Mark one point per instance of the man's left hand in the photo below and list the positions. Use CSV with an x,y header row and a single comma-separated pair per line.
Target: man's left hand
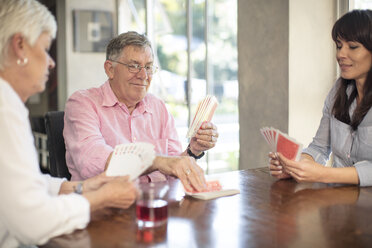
x,y
183,167
205,138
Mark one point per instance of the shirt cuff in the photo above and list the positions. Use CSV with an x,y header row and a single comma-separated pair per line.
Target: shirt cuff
x,y
364,170
156,176
54,184
317,156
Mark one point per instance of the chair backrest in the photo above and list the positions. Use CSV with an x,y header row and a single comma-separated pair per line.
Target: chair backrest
x,y
56,144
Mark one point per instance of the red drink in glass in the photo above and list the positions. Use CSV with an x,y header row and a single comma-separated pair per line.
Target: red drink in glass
x,y
151,213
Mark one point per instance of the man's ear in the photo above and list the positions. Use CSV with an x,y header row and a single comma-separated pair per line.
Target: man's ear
x,y
109,69
18,45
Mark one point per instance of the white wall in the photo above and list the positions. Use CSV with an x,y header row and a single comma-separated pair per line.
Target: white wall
x,y
84,70
312,64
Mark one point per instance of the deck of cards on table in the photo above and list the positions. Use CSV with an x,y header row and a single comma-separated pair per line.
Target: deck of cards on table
x,y
281,142
131,159
214,189
204,113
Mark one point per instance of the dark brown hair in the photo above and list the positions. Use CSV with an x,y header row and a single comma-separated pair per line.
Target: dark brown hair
x,y
356,26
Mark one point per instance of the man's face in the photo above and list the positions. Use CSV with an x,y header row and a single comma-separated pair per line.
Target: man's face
x,y
130,87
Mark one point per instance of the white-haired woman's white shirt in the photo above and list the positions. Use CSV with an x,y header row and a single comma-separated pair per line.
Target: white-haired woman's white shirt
x,y
31,211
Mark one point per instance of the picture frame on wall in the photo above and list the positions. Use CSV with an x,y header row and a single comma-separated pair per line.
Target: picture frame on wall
x,y
93,29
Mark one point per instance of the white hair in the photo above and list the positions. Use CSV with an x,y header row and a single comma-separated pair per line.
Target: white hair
x,y
28,17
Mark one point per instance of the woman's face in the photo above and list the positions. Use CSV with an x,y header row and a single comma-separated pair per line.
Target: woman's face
x,y
354,59
39,63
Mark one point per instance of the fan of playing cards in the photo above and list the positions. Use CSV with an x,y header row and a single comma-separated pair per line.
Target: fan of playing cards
x,y
281,142
204,112
131,159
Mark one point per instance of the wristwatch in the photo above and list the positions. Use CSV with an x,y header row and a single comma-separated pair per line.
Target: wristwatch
x,y
78,189
192,154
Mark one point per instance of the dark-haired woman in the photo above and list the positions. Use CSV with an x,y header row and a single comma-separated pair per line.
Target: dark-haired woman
x,y
346,126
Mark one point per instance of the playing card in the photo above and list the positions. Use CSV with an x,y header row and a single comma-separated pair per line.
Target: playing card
x,y
214,185
270,136
262,130
273,134
125,164
214,189
204,113
131,159
281,142
287,146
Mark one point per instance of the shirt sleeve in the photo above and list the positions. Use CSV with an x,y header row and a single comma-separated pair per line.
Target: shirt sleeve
x,y
54,183
364,170
28,210
85,145
320,147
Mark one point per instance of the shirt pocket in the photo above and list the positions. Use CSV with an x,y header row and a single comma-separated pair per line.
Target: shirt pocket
x,y
341,139
365,136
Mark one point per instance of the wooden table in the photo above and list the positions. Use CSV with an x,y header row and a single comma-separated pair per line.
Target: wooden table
x,y
267,213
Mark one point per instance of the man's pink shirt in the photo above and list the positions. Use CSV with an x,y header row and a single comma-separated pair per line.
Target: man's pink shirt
x,y
95,122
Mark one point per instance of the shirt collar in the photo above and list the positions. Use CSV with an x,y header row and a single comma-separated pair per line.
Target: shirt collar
x,y
12,95
143,106
110,99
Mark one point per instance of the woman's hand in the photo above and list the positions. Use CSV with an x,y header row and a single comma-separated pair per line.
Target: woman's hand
x,y
96,182
276,169
305,170
120,192
205,138
117,192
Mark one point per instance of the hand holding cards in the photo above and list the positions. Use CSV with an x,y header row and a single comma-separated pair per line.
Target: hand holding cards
x,y
281,142
204,112
131,159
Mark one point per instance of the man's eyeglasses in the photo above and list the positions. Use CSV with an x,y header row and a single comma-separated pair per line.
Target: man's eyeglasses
x,y
136,68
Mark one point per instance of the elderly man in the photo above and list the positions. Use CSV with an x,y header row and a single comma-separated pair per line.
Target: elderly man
x,y
121,111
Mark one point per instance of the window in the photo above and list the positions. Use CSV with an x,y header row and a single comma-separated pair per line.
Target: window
x,y
360,4
195,46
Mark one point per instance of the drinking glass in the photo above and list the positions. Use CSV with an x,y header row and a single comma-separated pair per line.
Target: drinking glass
x,y
151,207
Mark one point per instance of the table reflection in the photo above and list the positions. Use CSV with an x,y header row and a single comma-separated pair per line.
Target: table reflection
x,y
152,235
267,213
78,239
303,212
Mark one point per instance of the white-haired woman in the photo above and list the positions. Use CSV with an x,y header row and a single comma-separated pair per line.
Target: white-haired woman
x,y
36,207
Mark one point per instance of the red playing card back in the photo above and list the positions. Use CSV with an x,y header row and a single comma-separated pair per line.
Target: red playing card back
x,y
211,186
287,147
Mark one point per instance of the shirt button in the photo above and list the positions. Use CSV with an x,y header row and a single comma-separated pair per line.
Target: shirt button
x,y
134,139
348,156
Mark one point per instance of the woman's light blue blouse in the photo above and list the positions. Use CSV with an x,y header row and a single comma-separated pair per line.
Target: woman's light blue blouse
x,y
349,148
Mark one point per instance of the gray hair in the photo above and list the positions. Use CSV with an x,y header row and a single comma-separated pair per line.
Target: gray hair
x,y
28,17
117,44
